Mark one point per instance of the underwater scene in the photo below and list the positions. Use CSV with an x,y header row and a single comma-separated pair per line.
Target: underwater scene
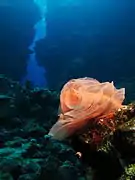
x,y
67,90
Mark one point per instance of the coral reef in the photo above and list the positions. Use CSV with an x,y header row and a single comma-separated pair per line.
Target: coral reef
x,y
17,20
28,152
110,151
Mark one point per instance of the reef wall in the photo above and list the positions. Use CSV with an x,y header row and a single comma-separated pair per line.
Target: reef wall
x,y
86,38
17,20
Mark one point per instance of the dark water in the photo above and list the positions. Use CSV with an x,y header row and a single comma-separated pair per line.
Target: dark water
x,y
75,38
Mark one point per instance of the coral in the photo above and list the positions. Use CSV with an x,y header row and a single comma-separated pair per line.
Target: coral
x,y
31,159
28,152
129,173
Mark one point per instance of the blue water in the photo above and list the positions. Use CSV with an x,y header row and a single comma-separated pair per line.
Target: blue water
x,y
97,38
36,73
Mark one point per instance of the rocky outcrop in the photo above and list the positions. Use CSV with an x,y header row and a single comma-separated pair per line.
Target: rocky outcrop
x,y
85,39
17,19
28,152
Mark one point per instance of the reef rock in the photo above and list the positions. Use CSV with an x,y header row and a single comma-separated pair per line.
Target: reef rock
x,y
83,39
17,20
28,152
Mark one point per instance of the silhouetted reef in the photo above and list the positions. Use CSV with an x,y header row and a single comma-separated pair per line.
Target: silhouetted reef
x,y
85,39
27,152
17,20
